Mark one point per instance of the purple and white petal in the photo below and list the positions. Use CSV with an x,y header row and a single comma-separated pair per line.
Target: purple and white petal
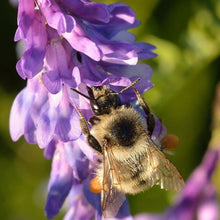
x,y
50,149
31,63
46,126
25,18
121,18
80,208
67,127
117,52
56,17
20,109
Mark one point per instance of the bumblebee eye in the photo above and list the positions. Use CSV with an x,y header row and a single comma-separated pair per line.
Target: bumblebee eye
x,y
96,107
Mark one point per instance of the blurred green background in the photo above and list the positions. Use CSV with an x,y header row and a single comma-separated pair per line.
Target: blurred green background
x,y
187,36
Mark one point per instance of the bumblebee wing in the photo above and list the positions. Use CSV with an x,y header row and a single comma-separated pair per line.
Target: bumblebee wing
x,y
160,170
111,198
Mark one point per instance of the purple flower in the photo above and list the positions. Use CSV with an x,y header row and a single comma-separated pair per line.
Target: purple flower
x,y
68,46
43,116
73,44
64,45
198,199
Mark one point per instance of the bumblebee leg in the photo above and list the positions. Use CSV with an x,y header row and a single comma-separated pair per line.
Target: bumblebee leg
x,y
94,143
94,120
85,130
150,117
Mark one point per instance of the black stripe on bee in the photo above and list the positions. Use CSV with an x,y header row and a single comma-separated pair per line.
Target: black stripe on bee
x,y
136,172
136,167
142,182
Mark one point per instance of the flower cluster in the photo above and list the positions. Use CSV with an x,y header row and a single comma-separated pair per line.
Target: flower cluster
x,y
73,44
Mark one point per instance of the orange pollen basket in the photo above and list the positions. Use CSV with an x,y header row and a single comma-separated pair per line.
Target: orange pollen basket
x,y
95,185
169,142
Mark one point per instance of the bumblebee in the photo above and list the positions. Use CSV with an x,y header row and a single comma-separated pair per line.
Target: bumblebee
x,y
131,162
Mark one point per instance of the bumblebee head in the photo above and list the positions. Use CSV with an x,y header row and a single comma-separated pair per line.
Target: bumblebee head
x,y
102,99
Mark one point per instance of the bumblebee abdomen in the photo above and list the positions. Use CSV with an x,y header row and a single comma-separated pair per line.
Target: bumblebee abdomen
x,y
133,176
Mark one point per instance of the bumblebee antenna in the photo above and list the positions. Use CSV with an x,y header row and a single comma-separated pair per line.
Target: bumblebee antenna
x,y
81,94
118,93
113,93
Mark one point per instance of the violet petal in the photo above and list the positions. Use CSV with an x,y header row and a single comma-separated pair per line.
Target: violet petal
x,y
25,18
79,40
52,81
79,206
46,126
91,11
60,183
68,127
56,17
118,52
20,109
30,129
31,62
50,149
121,18
77,160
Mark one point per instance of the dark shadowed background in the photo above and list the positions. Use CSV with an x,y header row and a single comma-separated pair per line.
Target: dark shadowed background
x,y
187,36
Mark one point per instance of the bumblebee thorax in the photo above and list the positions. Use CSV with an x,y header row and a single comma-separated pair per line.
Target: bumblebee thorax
x,y
125,126
124,131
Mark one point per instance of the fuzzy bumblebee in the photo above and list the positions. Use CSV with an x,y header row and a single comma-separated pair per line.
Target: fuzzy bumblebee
x,y
130,161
